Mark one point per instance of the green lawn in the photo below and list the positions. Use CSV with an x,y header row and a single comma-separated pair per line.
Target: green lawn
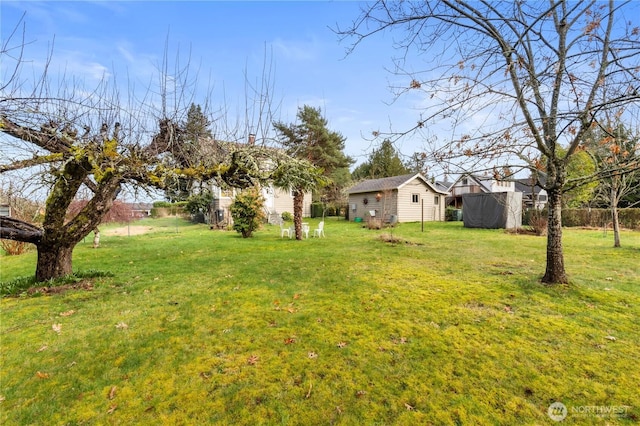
x,y
449,326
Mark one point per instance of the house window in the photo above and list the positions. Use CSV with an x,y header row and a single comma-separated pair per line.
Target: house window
x,y
436,200
415,198
465,181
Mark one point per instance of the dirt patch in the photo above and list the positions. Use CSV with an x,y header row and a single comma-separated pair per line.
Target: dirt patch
x,y
128,230
387,238
82,285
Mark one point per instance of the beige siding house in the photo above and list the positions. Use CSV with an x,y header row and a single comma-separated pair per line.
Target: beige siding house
x,y
277,201
406,198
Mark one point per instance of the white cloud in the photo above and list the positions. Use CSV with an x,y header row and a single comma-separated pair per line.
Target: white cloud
x,y
295,50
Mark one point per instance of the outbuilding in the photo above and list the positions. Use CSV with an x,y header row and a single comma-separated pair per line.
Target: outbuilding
x,y
405,198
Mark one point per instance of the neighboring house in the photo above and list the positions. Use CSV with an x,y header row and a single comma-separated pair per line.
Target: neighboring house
x,y
406,198
5,210
533,196
277,201
469,183
140,210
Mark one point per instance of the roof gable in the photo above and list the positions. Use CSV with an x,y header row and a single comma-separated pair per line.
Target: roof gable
x,y
390,183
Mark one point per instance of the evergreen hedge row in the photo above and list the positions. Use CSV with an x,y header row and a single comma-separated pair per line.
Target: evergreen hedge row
x,y
596,218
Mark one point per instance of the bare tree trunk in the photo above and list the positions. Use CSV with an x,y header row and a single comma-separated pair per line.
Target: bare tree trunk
x,y
298,202
614,215
54,261
555,273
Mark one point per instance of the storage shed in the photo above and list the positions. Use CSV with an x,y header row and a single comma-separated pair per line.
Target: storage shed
x,y
406,198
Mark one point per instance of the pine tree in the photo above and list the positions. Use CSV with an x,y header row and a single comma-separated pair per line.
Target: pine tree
x,y
186,152
311,140
382,162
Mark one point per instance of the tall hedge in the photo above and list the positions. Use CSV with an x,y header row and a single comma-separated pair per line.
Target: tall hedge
x,y
629,218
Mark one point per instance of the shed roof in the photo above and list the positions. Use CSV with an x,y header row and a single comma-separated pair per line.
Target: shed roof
x,y
388,183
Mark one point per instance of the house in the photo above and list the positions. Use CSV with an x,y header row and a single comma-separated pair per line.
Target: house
x,y
277,200
140,210
405,198
533,196
468,183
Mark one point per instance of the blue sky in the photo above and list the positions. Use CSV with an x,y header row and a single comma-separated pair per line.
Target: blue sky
x,y
226,39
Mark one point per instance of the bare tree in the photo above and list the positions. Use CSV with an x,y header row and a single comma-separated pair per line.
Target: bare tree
x,y
69,139
515,81
614,148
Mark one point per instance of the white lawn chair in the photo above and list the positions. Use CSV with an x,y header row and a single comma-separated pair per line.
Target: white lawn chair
x,y
305,230
284,230
319,231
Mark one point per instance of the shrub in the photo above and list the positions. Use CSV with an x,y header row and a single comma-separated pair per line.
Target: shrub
x,y
247,211
161,204
287,217
13,248
538,223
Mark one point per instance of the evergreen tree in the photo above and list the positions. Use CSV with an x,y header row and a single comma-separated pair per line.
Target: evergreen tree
x,y
383,162
311,140
186,152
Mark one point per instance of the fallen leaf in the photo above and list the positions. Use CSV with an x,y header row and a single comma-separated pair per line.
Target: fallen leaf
x,y
112,409
408,407
360,393
309,393
112,392
68,313
57,328
508,309
342,344
122,325
296,296
42,375
291,310
289,340
312,355
43,348
253,359
612,338
205,376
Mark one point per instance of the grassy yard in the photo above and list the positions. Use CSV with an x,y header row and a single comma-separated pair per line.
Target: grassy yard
x,y
448,326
